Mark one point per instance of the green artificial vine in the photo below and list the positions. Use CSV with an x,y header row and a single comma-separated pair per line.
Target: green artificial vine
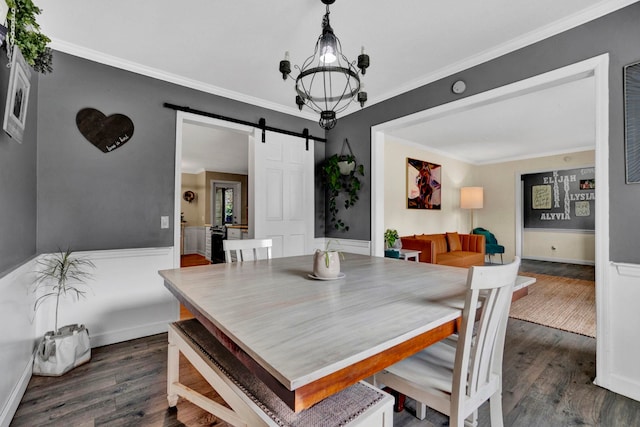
x,y
337,183
32,43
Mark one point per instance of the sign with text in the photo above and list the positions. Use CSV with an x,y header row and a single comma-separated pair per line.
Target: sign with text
x,y
560,199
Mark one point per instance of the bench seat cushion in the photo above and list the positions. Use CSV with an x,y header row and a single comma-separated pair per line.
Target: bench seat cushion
x,y
336,410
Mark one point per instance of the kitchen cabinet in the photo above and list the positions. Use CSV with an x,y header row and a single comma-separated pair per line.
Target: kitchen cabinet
x,y
195,240
234,233
207,243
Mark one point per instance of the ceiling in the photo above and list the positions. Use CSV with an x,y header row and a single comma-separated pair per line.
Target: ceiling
x,y
211,149
233,48
554,120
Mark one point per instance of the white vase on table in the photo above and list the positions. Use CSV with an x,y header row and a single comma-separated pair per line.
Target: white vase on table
x,y
326,264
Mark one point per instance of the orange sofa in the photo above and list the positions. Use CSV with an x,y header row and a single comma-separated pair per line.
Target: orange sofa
x,y
457,250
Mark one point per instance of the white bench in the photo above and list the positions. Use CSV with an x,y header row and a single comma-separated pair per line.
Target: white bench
x,y
252,402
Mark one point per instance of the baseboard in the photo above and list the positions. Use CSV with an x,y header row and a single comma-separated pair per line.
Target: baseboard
x,y
121,335
362,247
11,406
566,261
624,386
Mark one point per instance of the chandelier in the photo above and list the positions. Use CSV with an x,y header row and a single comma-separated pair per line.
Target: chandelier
x,y
328,82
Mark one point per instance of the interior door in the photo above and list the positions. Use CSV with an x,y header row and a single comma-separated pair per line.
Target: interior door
x,y
282,177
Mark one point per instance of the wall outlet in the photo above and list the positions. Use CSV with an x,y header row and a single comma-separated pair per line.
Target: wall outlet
x,y
164,222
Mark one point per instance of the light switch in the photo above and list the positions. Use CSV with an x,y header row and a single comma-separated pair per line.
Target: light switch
x,y
164,222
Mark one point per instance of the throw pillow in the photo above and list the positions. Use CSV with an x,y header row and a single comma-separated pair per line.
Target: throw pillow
x,y
454,242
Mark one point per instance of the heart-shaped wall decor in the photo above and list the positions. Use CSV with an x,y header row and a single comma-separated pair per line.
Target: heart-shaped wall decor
x,y
105,132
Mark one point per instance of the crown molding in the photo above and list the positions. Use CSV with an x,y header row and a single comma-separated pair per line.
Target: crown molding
x,y
550,30
134,67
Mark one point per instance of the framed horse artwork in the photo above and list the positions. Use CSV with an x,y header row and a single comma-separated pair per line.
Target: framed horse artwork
x,y
423,184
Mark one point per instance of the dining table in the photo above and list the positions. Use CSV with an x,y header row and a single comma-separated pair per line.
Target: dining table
x,y
307,338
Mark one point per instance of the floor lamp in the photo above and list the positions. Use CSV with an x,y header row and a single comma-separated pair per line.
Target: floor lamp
x,y
471,198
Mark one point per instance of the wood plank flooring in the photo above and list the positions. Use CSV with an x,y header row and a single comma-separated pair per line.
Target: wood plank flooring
x,y
192,260
547,381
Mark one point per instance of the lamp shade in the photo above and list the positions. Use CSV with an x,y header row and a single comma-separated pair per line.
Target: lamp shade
x,y
471,197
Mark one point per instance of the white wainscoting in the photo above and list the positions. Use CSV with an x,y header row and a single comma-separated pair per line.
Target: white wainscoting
x,y
362,247
623,318
125,300
17,338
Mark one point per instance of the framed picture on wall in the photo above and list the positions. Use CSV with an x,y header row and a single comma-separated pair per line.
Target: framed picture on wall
x,y
423,184
632,122
15,111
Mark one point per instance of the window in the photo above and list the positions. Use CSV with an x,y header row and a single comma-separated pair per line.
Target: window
x,y
226,203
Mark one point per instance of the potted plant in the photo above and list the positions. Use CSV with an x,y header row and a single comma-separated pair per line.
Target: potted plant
x,y
62,349
346,164
336,183
326,263
391,238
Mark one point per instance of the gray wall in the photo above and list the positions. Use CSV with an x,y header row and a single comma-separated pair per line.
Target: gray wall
x,y
17,182
90,200
617,33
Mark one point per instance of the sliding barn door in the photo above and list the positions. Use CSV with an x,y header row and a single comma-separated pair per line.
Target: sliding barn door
x,y
282,177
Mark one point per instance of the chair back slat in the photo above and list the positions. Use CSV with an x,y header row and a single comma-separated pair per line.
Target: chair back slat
x,y
479,357
243,249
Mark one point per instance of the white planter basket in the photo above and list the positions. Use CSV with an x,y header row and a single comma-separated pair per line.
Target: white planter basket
x,y
59,353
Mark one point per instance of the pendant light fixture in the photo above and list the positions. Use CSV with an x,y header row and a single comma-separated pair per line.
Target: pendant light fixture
x,y
328,82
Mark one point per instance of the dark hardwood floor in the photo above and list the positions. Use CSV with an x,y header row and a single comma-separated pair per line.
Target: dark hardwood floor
x,y
547,381
574,271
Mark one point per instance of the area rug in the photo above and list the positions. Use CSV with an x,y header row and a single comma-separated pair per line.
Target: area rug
x,y
560,303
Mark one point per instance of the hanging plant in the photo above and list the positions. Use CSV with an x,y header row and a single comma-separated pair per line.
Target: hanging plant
x,y
336,182
25,33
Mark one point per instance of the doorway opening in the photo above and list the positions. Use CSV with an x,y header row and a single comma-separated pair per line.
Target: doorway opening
x,y
598,68
233,135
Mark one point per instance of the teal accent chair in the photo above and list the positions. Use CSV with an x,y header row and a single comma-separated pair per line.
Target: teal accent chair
x,y
491,243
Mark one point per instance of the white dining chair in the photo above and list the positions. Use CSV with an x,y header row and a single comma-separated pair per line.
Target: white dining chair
x,y
248,249
457,379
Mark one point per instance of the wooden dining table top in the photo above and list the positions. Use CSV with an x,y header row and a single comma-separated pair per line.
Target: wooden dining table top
x,y
308,338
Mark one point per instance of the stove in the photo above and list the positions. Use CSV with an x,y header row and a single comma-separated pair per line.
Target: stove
x,y
218,234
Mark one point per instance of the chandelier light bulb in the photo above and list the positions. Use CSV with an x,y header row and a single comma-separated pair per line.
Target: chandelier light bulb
x,y
328,48
328,57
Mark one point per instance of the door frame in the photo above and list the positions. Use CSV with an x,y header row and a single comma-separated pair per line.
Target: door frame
x,y
182,118
597,67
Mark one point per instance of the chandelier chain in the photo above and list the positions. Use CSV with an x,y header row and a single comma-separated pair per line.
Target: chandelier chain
x,y
11,40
